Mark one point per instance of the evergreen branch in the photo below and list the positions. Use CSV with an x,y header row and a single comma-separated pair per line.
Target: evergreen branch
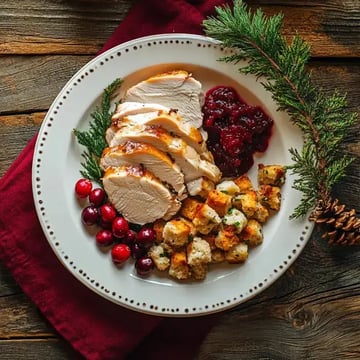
x,y
94,138
323,119
92,170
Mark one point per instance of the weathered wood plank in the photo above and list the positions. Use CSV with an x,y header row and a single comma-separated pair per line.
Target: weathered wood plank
x,y
20,318
29,84
54,349
15,132
45,75
58,26
82,27
330,27
8,286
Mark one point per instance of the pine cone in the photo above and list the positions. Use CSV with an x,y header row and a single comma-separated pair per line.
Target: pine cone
x,y
341,226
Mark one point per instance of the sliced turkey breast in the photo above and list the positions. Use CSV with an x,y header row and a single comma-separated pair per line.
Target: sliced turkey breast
x,y
132,108
173,123
184,155
154,160
175,90
137,194
173,209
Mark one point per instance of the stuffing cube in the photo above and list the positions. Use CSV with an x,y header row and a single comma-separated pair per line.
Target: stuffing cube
x,y
217,256
198,252
235,218
271,175
210,238
228,187
160,256
246,202
219,201
200,187
189,208
199,272
261,213
270,196
253,233
244,183
237,254
177,232
206,219
179,268
226,238
158,227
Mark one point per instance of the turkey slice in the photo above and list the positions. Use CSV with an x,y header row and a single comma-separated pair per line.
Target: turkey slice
x,y
175,90
154,160
137,194
133,108
167,119
184,155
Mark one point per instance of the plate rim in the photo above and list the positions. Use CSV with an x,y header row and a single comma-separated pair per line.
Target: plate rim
x,y
221,307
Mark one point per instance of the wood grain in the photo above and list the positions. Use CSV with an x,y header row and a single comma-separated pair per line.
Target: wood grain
x,y
66,27
313,310
45,75
75,27
35,349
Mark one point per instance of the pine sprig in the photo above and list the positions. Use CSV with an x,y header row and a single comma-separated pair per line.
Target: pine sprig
x,y
281,68
94,138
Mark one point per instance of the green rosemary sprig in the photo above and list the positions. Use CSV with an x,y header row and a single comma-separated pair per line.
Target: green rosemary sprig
x,y
94,138
281,68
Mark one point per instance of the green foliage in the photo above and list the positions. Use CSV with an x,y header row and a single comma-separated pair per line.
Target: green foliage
x,y
281,68
94,138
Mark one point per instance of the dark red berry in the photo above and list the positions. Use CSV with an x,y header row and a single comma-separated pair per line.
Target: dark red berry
x,y
146,236
83,188
104,224
104,238
130,237
120,253
137,251
97,197
107,213
144,265
89,215
120,227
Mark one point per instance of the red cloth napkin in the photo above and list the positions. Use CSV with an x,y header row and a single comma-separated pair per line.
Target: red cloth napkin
x,y
95,327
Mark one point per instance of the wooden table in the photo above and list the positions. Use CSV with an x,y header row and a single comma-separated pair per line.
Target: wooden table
x,y
313,310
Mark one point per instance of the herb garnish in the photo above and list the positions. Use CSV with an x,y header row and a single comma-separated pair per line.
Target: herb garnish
x,y
94,138
322,118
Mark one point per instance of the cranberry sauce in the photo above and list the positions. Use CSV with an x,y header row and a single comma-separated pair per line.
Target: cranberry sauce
x,y
235,129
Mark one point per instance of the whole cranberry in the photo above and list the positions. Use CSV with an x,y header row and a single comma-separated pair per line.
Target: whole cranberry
x,y
120,227
146,236
130,237
120,253
105,224
137,251
107,213
89,215
97,197
83,188
144,265
104,238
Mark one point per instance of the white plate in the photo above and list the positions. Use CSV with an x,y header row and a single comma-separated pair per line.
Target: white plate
x,y
56,168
